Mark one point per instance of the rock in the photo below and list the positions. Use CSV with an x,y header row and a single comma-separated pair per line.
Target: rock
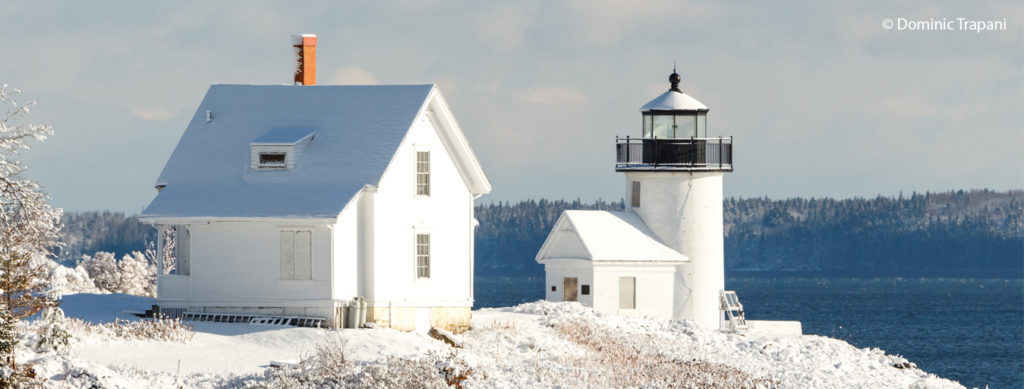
x,y
445,336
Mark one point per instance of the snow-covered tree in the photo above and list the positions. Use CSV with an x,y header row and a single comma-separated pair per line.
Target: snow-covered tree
x,y
138,275
29,227
102,269
8,335
135,274
51,331
167,255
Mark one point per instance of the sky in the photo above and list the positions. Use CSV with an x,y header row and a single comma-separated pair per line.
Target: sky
x,y
821,98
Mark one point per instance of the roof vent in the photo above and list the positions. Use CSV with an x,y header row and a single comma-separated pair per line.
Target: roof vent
x,y
279,148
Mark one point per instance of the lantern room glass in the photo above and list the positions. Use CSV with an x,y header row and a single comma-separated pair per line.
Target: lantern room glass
x,y
663,126
675,125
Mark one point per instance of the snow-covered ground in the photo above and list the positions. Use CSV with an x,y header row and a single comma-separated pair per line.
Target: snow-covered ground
x,y
534,345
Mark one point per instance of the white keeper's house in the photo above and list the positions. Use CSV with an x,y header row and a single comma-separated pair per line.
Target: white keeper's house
x,y
662,256
290,200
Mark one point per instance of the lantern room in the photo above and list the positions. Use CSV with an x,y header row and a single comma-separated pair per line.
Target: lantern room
x,y
674,137
674,114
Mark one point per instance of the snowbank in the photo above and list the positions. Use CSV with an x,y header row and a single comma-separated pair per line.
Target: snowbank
x,y
534,345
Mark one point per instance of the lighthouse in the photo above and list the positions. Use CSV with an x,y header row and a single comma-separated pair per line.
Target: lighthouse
x,y
673,178
662,255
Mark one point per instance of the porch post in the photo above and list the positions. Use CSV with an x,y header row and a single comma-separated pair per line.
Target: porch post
x,y
159,249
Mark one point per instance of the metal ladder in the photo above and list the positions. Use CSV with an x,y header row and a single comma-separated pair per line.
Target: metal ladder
x,y
296,321
734,310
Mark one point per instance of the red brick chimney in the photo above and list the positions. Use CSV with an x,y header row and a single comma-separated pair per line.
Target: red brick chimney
x,y
305,66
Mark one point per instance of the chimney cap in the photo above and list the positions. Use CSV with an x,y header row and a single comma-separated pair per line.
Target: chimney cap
x,y
304,39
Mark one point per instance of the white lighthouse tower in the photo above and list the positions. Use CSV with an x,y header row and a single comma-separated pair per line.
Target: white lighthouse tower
x,y
674,183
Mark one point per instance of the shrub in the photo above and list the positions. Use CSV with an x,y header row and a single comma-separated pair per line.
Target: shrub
x,y
52,331
327,366
135,274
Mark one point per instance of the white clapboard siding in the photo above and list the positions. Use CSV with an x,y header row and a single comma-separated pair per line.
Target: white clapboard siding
x,y
399,214
347,246
222,252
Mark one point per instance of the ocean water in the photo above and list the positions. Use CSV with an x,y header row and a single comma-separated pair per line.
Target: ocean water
x,y
968,330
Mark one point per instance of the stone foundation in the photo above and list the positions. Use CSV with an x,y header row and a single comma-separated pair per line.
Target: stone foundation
x,y
452,319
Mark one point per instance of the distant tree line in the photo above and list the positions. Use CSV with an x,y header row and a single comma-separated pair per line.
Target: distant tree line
x,y
950,234
977,233
86,233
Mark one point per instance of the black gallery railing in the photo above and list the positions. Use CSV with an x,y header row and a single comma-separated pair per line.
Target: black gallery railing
x,y
674,153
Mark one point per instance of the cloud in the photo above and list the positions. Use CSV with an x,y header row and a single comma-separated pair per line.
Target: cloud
x,y
551,94
504,28
154,113
919,107
606,22
353,75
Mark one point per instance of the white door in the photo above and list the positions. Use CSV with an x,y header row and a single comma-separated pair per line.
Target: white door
x,y
422,319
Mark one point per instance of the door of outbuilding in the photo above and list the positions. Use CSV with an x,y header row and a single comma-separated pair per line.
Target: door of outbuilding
x,y
569,288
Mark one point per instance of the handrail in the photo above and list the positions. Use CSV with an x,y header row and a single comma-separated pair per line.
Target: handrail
x,y
674,153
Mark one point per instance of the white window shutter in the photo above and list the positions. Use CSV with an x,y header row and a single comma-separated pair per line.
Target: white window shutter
x,y
303,257
287,255
627,292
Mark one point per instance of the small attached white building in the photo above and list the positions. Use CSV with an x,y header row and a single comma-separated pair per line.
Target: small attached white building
x,y
611,261
292,200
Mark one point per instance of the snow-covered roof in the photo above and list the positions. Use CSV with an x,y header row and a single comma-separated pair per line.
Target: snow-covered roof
x,y
357,129
674,101
284,136
605,236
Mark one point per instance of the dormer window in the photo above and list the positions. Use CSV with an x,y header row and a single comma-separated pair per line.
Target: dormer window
x,y
280,148
273,160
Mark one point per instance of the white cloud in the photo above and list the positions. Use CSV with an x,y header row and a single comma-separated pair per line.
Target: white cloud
x,y
152,113
552,94
353,75
504,28
920,107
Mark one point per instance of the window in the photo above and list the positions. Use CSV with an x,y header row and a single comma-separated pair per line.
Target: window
x,y
585,290
627,292
423,173
422,255
272,160
554,288
296,255
663,126
635,198
686,126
